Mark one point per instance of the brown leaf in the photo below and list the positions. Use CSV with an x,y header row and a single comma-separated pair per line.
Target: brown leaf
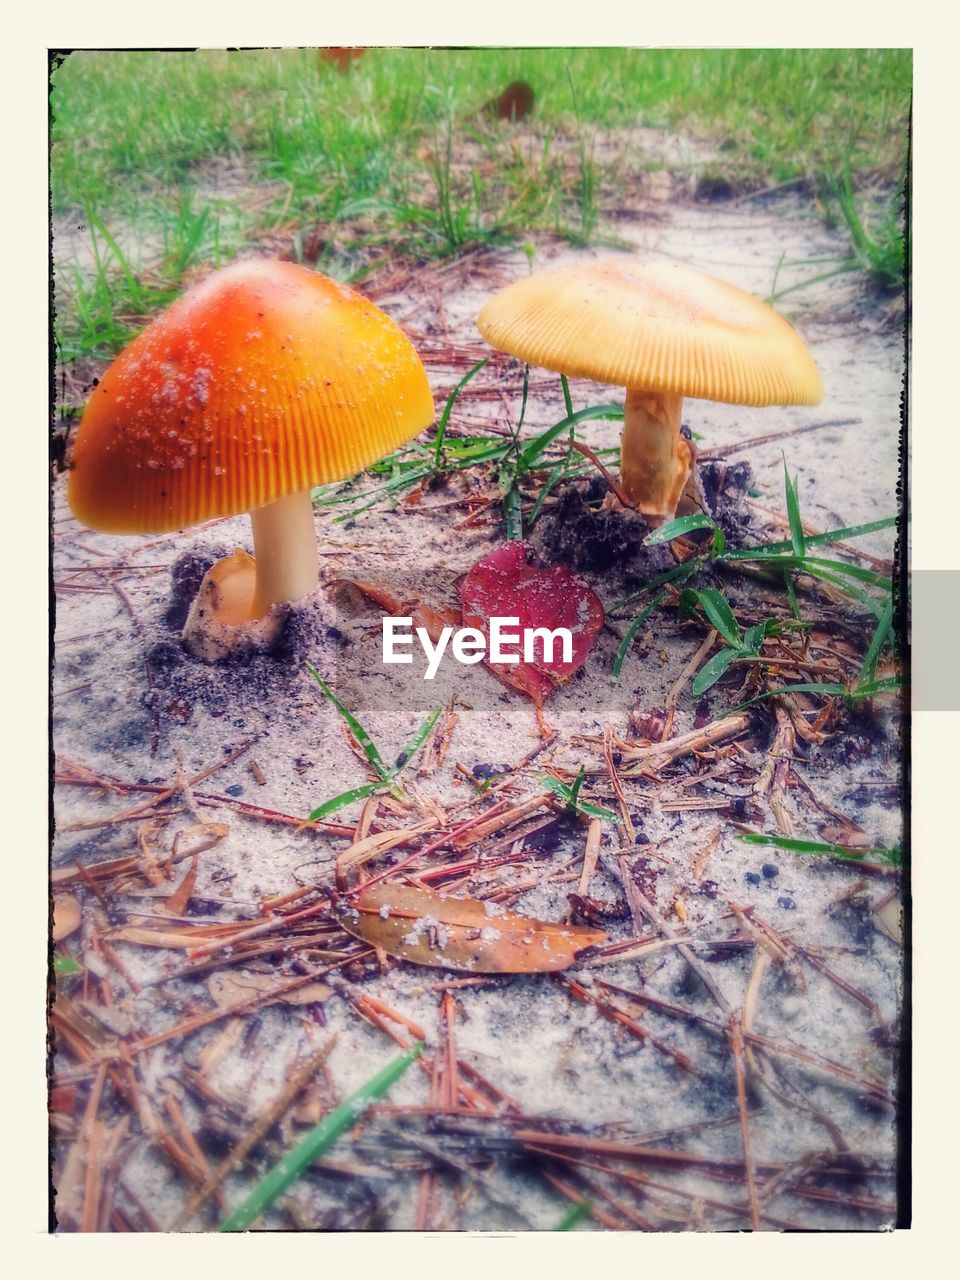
x,y
66,917
889,919
229,988
460,933
176,904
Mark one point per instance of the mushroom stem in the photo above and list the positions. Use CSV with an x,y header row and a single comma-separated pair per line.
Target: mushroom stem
x,y
655,460
285,549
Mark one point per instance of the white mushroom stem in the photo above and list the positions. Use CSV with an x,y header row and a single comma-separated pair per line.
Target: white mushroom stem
x,y
285,549
655,459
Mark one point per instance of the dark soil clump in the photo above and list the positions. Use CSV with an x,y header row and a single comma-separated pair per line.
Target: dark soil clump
x,y
186,574
578,534
725,487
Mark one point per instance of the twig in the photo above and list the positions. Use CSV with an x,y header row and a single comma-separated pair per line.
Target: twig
x,y
167,793
269,1117
710,455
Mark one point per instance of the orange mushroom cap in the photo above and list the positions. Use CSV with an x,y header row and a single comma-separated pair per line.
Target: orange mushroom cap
x,y
264,380
653,326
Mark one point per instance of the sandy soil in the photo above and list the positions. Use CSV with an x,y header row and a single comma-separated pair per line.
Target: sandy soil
x,y
822,983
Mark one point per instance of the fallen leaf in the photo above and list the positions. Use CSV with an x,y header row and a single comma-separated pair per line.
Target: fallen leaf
x,y
229,988
66,917
177,903
503,585
889,918
460,933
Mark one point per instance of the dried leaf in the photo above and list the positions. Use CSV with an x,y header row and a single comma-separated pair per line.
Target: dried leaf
x,y
460,933
229,988
66,917
503,585
176,904
424,615
889,918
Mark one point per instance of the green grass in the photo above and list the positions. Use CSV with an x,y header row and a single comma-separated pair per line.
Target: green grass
x,y
878,246
571,797
883,857
317,1142
151,117
184,158
385,774
518,462
779,560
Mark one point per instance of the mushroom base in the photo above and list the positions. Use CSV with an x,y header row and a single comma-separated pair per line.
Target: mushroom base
x,y
655,459
219,622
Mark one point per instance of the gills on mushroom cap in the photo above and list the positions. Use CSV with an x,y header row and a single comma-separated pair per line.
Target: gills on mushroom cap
x,y
661,331
263,381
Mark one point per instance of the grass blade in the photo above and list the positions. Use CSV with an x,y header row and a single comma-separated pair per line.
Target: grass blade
x,y
132,285
677,528
319,1140
548,484
815,539
807,564
793,514
362,738
678,574
523,399
711,671
835,580
575,788
869,669
850,570
415,743
512,515
720,614
571,795
535,447
344,798
574,1216
385,775
890,684
890,857
792,597
448,409
626,644
567,400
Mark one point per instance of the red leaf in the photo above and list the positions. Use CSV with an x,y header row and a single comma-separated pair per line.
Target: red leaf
x,y
503,585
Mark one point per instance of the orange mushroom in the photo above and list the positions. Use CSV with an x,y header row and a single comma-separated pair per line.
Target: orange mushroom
x,y
263,381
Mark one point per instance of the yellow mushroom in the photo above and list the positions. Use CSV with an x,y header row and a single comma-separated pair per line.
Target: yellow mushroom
x,y
663,332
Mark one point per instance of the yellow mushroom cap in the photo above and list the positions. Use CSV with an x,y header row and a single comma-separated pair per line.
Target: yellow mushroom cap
x,y
263,380
655,327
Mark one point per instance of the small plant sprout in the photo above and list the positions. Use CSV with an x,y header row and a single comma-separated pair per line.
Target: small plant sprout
x,y
264,380
662,331
739,643
385,774
570,793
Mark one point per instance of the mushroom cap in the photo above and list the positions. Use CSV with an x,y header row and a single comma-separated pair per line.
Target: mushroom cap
x,y
653,326
261,381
